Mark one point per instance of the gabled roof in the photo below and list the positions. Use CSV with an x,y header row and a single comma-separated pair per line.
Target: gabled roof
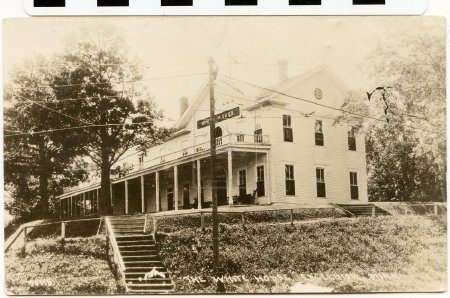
x,y
252,94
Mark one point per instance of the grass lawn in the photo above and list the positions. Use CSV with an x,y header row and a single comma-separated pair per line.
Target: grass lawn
x,y
384,254
81,269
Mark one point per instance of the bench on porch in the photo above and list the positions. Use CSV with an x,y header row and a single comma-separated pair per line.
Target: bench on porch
x,y
247,199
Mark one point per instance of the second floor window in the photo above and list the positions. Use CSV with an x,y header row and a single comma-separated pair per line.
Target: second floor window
x,y
258,136
319,133
290,182
351,139
287,129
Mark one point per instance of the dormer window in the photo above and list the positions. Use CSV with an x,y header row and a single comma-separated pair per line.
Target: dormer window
x,y
287,129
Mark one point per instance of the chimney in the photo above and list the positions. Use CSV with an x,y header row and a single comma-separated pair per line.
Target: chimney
x,y
282,70
183,105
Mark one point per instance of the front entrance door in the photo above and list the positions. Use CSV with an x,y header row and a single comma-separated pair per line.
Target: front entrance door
x,y
221,187
186,202
242,184
170,198
260,188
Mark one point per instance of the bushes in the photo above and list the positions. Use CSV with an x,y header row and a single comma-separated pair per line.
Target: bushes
x,y
73,229
361,246
47,269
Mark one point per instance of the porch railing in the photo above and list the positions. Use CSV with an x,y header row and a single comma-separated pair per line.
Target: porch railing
x,y
231,139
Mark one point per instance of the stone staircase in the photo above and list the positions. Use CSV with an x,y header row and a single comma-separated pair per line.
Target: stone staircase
x,y
144,270
362,209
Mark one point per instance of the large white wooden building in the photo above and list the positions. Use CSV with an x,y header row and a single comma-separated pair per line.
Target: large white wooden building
x,y
274,145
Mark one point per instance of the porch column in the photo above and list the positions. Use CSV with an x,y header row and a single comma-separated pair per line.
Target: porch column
x,y
157,191
142,194
126,196
84,204
175,186
230,177
98,196
199,186
71,207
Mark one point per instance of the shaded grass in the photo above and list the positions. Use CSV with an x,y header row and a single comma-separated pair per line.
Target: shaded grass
x,y
393,246
80,268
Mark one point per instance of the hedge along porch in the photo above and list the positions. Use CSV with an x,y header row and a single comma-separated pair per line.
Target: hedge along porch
x,y
241,170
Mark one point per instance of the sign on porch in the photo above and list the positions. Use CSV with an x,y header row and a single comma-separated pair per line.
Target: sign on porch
x,y
219,117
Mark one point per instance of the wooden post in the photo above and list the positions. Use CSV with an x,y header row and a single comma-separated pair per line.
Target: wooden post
x,y
155,226
126,196
230,177
373,211
175,186
435,209
142,194
202,221
199,186
243,220
405,208
158,208
292,217
63,230
24,240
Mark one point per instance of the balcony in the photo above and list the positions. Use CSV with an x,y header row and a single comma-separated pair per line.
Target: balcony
x,y
232,139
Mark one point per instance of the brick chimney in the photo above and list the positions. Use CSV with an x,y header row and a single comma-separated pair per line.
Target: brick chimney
x,y
282,70
183,105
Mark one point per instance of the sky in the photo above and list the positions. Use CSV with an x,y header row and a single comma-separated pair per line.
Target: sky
x,y
247,48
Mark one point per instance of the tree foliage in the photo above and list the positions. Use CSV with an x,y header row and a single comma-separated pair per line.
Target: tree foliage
x,y
37,166
405,124
108,96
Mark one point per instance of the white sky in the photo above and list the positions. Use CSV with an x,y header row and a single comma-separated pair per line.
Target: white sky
x,y
247,48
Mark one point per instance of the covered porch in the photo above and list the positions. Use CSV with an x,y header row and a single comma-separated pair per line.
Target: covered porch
x,y
241,177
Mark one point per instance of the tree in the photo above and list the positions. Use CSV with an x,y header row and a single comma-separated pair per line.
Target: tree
x,y
37,166
107,98
404,121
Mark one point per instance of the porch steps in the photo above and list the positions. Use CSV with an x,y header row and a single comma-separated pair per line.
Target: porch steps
x,y
362,209
140,256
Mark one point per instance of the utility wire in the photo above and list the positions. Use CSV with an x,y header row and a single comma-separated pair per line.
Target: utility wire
x,y
106,83
323,105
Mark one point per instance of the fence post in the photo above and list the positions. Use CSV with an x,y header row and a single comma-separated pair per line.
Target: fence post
x,y
373,211
405,208
292,217
107,242
24,240
333,210
435,209
202,221
63,234
243,220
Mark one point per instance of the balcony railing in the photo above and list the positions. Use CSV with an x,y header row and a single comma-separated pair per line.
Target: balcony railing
x,y
232,139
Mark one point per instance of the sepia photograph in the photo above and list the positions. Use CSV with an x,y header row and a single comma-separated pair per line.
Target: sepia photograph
x,y
232,155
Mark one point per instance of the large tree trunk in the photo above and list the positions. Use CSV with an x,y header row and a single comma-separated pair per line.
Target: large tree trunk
x,y
105,207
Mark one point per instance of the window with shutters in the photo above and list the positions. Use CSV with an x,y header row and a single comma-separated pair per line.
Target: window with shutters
x,y
290,182
351,139
287,129
260,181
354,192
319,133
320,182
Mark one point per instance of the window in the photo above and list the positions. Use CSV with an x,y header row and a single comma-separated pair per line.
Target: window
x,y
351,139
354,193
319,133
320,178
258,136
287,129
260,181
290,182
240,138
